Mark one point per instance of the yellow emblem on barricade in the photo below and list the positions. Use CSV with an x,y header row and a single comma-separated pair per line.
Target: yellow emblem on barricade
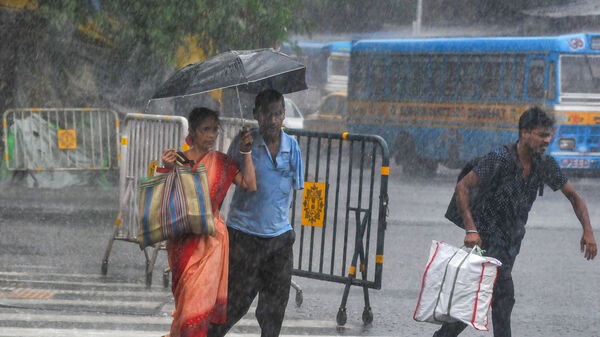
x,y
313,204
67,139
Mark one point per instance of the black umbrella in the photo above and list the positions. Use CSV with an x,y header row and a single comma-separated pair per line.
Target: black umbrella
x,y
245,70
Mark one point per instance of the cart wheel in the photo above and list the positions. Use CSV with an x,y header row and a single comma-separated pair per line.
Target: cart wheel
x,y
367,316
341,316
104,267
148,279
166,280
299,298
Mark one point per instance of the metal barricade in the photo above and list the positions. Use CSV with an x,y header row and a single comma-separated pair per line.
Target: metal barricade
x,y
142,142
342,211
69,139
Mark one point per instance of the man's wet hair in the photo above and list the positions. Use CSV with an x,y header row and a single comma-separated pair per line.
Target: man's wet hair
x,y
535,117
266,97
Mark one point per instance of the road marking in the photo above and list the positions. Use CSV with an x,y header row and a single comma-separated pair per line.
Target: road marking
x,y
36,304
34,332
121,319
25,293
136,319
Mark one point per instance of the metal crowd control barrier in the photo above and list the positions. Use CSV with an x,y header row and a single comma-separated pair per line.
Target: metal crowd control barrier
x,y
142,142
69,139
342,211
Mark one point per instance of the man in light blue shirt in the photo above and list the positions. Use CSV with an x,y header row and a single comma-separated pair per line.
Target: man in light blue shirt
x,y
260,233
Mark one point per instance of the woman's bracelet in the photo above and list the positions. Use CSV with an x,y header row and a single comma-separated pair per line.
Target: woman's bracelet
x,y
244,152
472,231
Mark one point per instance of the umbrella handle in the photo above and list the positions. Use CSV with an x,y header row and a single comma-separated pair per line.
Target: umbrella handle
x,y
237,92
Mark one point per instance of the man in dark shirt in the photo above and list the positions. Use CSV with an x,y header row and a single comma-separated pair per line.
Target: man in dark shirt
x,y
513,175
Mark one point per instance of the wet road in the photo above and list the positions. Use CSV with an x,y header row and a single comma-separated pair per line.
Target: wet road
x,y
59,237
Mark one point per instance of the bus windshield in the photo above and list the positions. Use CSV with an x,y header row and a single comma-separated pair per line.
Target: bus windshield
x,y
580,74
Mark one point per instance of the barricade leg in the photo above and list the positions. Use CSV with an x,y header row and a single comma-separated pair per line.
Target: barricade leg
x,y
367,315
150,261
104,267
166,273
299,296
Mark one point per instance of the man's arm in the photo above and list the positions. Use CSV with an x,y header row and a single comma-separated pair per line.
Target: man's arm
x,y
462,190
588,242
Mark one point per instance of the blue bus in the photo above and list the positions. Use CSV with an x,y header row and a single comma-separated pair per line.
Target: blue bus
x,y
446,100
327,66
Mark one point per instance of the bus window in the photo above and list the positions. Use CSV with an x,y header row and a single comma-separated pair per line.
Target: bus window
x,y
508,77
436,87
580,74
519,77
338,65
418,73
359,73
470,73
378,78
400,75
535,81
491,78
452,72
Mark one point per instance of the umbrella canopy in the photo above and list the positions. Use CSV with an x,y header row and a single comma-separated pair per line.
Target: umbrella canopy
x,y
246,70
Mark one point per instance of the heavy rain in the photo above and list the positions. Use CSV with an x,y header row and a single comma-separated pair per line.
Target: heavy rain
x,y
387,101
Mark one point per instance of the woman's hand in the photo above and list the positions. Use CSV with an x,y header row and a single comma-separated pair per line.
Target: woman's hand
x,y
168,158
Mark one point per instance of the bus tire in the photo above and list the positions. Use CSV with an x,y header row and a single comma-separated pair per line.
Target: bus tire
x,y
405,154
404,149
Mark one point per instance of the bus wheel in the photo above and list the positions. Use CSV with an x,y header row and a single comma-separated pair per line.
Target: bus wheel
x,y
420,167
404,150
405,155
412,165
428,167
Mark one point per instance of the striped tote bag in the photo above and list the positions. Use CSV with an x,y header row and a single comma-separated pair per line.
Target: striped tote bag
x,y
174,204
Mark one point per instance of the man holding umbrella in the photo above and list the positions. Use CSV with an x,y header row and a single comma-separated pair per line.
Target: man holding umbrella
x,y
260,233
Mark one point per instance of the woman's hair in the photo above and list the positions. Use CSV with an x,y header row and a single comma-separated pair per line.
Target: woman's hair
x,y
197,115
535,117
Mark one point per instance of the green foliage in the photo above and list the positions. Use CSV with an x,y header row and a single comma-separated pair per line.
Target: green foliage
x,y
161,25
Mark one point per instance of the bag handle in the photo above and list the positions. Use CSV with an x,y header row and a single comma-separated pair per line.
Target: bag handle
x,y
172,182
181,159
475,250
437,302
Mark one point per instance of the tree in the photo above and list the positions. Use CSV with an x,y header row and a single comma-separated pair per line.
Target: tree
x,y
163,25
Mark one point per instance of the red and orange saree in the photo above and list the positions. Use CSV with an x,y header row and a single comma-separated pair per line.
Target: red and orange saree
x,y
199,264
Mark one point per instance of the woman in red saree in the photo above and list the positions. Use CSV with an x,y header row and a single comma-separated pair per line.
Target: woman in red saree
x,y
199,264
